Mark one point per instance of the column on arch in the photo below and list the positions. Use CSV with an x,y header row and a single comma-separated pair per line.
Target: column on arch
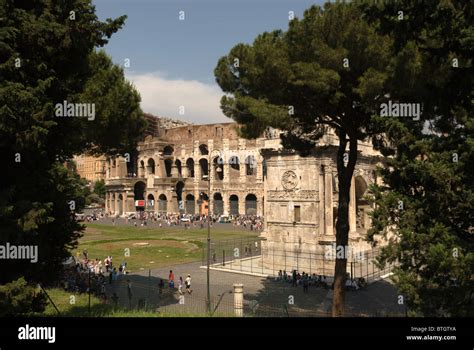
x,y
328,204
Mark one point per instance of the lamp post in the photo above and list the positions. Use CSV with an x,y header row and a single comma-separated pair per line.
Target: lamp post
x,y
209,232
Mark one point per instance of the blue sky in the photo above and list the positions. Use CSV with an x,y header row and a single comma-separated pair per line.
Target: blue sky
x,y
172,61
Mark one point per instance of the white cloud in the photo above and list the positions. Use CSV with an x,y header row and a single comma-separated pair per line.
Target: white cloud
x,y
163,97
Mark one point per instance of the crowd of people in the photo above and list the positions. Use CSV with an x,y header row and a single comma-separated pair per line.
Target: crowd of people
x,y
306,280
95,273
252,222
187,221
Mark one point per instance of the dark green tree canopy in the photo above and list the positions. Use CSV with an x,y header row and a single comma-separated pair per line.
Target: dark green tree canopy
x,y
331,68
47,56
427,198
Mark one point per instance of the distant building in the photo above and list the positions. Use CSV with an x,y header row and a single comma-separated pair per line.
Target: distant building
x,y
90,167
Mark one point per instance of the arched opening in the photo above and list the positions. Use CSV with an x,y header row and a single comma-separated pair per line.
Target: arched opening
x,y
150,166
218,168
162,203
139,195
179,195
190,204
168,151
141,169
234,205
234,169
204,168
150,202
177,163
251,204
190,167
120,204
168,167
250,165
218,204
204,150
362,205
132,164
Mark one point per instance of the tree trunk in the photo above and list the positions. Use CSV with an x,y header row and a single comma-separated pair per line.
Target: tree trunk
x,y
344,174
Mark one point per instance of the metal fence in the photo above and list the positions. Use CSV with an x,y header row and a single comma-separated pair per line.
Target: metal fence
x,y
249,255
229,253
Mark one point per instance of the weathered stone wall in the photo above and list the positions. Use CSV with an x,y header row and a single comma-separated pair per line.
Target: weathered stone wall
x,y
180,158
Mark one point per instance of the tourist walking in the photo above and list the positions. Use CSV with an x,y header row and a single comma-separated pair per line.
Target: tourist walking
x,y
180,285
171,279
187,282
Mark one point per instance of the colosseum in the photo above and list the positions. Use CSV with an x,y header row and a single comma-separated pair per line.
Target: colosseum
x,y
178,167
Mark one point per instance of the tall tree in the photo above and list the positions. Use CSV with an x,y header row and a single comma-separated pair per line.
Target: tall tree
x,y
427,199
329,70
47,56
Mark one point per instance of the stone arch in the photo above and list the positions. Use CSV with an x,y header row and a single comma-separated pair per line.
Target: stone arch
x,y
203,149
190,204
141,168
150,166
218,167
179,169
251,204
250,165
190,167
150,201
234,204
168,150
203,163
168,167
234,166
162,203
218,203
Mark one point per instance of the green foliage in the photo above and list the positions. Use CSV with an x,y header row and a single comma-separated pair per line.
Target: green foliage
x,y
19,298
430,172
328,70
99,188
57,62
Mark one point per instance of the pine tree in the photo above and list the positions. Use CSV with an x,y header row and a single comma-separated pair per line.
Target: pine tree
x,y
328,70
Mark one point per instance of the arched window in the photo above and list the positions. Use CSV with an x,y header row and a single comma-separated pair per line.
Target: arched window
x,y
190,167
168,151
204,168
251,204
178,167
218,204
218,168
168,167
234,204
190,204
162,203
204,150
250,165
151,166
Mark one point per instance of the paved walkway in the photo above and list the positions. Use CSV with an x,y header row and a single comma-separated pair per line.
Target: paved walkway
x,y
260,293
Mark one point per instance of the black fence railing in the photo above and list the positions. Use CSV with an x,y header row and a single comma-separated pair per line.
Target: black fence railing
x,y
249,255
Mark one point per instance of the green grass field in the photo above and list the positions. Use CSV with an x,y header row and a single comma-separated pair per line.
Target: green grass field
x,y
150,247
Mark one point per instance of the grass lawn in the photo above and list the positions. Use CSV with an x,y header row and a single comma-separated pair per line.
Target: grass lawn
x,y
150,247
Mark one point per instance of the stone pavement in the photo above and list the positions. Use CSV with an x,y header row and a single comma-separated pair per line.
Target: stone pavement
x,y
260,293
